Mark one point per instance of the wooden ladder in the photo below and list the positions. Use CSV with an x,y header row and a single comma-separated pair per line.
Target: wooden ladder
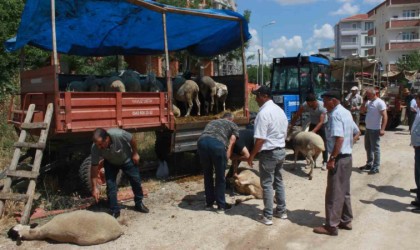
x,y
6,193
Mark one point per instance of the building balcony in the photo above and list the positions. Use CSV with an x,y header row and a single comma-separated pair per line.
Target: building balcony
x,y
398,45
403,22
371,52
372,32
349,45
350,31
399,3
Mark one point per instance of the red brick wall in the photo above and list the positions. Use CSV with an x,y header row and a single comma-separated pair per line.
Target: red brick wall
x,y
403,46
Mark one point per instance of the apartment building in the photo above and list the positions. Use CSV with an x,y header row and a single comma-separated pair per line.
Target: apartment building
x,y
396,28
351,36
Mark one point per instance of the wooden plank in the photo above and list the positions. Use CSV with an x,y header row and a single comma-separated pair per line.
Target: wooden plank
x,y
34,125
37,165
37,145
13,197
16,156
23,174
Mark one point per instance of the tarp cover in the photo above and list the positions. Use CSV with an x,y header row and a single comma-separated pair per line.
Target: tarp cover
x,y
112,27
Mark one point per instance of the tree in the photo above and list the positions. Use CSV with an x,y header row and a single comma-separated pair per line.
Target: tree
x,y
10,12
410,62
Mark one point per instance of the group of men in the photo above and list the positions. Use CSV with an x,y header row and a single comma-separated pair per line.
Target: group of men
x,y
270,132
222,139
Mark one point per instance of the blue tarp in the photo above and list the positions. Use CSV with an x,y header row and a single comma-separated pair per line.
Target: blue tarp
x,y
112,27
320,60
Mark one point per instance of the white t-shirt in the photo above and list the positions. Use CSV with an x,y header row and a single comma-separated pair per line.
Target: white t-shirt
x,y
373,118
271,125
413,105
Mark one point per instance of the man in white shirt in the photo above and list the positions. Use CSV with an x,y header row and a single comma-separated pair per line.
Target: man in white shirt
x,y
415,142
270,134
375,120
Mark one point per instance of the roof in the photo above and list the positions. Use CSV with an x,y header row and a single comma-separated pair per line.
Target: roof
x,y
358,17
128,27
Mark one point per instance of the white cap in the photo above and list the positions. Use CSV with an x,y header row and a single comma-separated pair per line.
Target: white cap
x,y
354,88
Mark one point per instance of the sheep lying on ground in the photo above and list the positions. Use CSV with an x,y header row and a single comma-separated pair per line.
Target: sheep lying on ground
x,y
310,145
247,182
208,91
186,94
79,227
221,95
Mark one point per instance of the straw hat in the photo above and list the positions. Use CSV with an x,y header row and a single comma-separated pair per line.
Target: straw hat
x,y
354,88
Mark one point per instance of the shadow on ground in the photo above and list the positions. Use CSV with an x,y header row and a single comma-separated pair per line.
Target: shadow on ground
x,y
389,205
391,190
305,217
297,169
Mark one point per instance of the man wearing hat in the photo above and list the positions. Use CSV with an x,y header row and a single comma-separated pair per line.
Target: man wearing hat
x,y
341,133
270,134
354,102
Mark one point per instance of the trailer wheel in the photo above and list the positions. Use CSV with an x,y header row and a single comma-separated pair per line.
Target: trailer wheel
x,y
85,178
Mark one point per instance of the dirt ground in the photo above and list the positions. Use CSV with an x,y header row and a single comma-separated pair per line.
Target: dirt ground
x,y
382,216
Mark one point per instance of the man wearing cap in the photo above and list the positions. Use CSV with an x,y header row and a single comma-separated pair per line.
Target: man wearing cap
x,y
318,118
270,134
354,102
375,120
341,133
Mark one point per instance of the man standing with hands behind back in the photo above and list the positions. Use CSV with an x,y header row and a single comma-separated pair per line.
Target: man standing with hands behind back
x,y
341,133
270,134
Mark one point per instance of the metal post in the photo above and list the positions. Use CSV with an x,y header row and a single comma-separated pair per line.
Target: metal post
x,y
343,78
54,38
167,71
262,50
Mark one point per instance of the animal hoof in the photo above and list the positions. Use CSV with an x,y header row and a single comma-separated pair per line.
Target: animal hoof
x,y
310,177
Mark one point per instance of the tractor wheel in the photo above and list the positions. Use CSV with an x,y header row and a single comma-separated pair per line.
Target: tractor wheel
x,y
85,178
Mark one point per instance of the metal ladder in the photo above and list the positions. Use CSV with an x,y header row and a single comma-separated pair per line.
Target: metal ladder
x,y
6,193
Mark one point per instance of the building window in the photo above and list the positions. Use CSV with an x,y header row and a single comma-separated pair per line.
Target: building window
x,y
354,40
404,58
409,35
368,25
354,26
409,13
368,40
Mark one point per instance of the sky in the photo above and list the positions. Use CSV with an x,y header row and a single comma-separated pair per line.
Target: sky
x,y
301,26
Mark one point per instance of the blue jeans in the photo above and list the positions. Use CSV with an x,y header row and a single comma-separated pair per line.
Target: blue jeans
x,y
271,164
373,149
213,159
417,170
132,172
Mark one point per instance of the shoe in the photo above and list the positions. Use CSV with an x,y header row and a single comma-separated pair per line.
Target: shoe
x,y
326,230
281,215
209,207
224,209
416,210
366,168
345,226
415,203
324,166
142,208
413,190
116,214
264,220
373,171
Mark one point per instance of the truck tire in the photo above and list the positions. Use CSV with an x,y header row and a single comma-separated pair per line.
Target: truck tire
x,y
85,179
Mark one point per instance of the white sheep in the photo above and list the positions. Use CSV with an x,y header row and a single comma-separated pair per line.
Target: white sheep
x,y
221,95
176,111
80,227
187,93
208,91
310,145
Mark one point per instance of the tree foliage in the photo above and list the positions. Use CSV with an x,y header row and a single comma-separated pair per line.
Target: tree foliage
x,y
254,73
411,62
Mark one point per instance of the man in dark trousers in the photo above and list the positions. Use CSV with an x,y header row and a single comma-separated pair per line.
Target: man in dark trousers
x,y
341,133
214,148
118,148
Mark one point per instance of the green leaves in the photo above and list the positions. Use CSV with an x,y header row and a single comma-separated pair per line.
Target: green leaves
x,y
409,62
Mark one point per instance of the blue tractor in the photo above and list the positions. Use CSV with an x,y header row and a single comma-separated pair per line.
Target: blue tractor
x,y
293,78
